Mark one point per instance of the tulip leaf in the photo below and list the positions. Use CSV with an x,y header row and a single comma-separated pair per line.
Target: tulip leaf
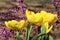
x,y
39,38
50,37
42,38
46,37
18,36
36,36
43,29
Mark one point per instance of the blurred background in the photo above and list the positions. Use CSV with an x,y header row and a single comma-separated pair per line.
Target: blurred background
x,y
12,9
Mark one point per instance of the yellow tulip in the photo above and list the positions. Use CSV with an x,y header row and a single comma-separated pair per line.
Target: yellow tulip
x,y
48,17
15,25
22,24
33,18
40,18
48,29
11,24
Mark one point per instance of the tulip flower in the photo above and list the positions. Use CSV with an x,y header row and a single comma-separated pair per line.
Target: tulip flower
x,y
40,18
33,18
48,17
15,25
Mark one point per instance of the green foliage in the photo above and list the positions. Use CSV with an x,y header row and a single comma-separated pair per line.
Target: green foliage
x,y
28,31
50,37
43,30
41,36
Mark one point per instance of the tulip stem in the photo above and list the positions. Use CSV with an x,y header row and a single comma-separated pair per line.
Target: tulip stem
x,y
29,32
26,34
17,36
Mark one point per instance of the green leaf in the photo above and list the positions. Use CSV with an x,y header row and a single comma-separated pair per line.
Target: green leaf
x,y
42,38
46,37
36,36
39,38
43,30
18,36
50,37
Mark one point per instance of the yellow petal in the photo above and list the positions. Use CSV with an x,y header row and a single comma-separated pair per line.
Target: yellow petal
x,y
47,28
6,23
11,24
30,16
43,13
38,20
22,24
48,17
55,18
34,18
47,31
29,13
38,17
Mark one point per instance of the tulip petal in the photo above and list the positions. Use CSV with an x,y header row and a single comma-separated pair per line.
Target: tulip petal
x,y
49,29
